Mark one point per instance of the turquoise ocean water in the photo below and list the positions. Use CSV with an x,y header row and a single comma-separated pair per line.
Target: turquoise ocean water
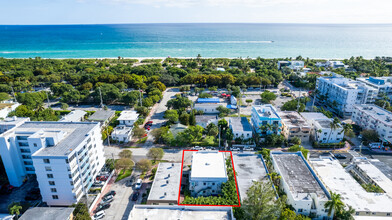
x,y
188,40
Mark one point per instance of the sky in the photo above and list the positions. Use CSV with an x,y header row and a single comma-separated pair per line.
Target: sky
x,y
194,11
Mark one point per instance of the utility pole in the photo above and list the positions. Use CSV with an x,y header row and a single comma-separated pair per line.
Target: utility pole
x,y
100,94
13,93
299,98
219,136
140,97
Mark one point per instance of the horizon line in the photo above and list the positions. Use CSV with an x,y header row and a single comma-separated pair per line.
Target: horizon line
x,y
140,23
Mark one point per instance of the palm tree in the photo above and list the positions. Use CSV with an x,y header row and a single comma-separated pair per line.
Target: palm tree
x,y
265,128
15,210
348,130
335,203
334,125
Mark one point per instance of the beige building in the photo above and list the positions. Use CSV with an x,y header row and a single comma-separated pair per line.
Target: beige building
x,y
293,125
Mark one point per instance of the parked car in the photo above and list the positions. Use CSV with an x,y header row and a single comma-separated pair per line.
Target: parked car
x,y
135,196
138,184
102,207
107,199
130,181
149,122
101,178
99,215
111,193
235,149
340,156
197,148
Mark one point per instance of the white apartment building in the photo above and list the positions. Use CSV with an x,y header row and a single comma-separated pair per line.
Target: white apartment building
x,y
208,172
294,64
241,127
128,118
334,64
263,115
373,117
345,93
11,122
6,107
341,180
382,84
205,120
294,126
305,192
64,156
208,108
321,128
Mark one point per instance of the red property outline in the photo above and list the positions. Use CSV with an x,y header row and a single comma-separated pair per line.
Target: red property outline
x,y
235,178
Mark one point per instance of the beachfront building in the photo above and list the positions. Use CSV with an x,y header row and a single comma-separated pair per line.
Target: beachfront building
x,y
382,84
265,120
208,172
11,122
294,126
305,192
174,212
341,93
241,127
74,116
334,64
294,64
347,181
321,128
64,156
102,116
204,120
373,117
6,107
164,189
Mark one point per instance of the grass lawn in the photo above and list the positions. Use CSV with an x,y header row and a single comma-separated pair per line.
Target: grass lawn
x,y
142,141
123,175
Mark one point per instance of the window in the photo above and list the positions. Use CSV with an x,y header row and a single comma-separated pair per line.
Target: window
x,y
204,184
71,182
357,213
50,176
46,160
52,183
70,176
213,184
388,214
213,191
66,161
35,145
55,196
53,190
300,210
48,168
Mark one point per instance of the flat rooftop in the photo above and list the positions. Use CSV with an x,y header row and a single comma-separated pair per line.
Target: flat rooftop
x,y
248,168
121,130
205,118
292,119
296,174
266,111
338,180
376,113
313,115
101,115
240,124
325,123
13,120
166,182
128,115
174,212
208,164
75,133
47,213
74,116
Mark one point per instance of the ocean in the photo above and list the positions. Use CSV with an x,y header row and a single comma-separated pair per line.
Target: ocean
x,y
189,40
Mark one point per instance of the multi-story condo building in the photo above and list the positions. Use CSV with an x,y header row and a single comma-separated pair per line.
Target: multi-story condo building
x,y
375,118
11,122
305,192
294,126
342,93
64,156
382,84
321,128
265,120
127,118
241,127
208,172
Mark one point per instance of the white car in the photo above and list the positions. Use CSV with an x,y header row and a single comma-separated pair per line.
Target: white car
x,y
107,199
138,184
99,215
